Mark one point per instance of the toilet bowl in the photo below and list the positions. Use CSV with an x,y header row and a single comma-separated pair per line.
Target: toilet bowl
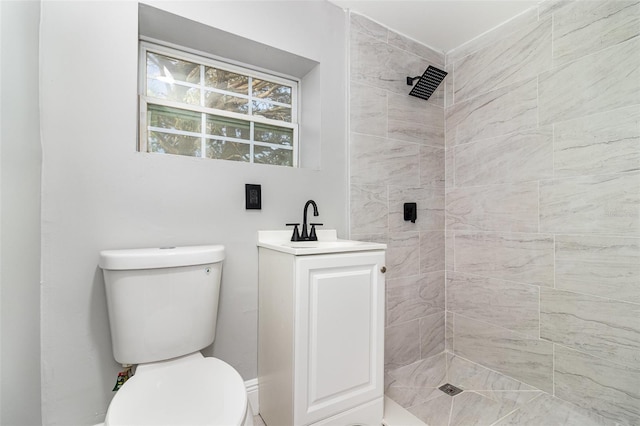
x,y
163,306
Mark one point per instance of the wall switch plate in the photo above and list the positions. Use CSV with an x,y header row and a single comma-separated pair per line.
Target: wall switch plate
x,y
253,196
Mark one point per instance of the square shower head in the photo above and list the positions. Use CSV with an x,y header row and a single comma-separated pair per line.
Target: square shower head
x,y
428,83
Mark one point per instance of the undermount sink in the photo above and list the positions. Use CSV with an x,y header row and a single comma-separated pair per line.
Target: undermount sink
x,y
328,242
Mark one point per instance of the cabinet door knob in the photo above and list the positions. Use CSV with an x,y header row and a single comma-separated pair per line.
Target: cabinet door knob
x,y
383,269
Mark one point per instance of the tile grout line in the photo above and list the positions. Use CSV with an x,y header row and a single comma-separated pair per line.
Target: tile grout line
x,y
517,409
615,363
553,369
471,274
605,174
554,261
539,314
538,203
570,234
453,339
453,399
524,336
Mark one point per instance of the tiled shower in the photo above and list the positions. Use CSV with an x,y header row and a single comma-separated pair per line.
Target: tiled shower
x,y
525,165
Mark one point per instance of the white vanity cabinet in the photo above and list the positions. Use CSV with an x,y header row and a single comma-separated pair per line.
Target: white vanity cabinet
x,y
321,336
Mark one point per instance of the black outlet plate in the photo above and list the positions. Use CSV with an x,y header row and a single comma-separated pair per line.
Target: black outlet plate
x,y
253,196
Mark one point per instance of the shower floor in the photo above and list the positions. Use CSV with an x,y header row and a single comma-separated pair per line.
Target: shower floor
x,y
488,397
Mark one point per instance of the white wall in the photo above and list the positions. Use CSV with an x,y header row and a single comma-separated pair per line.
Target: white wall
x,y
99,193
20,154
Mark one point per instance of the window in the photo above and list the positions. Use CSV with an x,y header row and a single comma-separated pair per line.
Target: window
x,y
196,106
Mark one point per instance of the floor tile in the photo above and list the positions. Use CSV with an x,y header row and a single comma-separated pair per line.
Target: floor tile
x,y
550,411
488,397
428,372
475,409
434,412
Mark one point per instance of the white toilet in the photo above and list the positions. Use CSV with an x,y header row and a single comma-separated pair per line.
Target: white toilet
x,y
163,305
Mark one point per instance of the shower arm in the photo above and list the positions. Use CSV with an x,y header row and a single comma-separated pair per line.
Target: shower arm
x,y
410,80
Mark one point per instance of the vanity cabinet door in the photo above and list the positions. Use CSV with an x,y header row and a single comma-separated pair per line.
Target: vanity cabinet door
x,y
339,333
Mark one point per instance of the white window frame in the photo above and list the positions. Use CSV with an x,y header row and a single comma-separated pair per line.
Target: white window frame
x,y
205,60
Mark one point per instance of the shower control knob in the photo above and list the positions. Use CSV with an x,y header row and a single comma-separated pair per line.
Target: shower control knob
x,y
383,269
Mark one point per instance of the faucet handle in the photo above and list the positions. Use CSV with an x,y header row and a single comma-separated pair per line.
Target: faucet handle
x,y
296,232
312,233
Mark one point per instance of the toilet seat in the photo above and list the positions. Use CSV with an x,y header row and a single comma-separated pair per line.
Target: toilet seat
x,y
190,390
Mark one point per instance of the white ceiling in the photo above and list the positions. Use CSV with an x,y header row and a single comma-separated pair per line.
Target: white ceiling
x,y
440,24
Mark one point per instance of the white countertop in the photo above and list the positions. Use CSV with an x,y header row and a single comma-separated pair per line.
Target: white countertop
x,y
328,242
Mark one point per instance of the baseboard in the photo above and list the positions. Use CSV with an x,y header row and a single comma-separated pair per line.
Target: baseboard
x,y
394,414
252,394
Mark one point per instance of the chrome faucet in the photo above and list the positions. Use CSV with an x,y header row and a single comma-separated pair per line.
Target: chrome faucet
x,y
307,235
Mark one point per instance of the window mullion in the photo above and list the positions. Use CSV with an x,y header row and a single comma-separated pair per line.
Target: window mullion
x,y
203,142
273,145
203,129
218,112
251,140
175,132
296,146
250,91
251,123
202,86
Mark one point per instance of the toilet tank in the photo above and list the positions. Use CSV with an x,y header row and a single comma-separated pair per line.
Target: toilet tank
x,y
162,302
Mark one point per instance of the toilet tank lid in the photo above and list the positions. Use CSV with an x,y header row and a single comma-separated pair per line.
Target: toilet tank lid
x,y
162,257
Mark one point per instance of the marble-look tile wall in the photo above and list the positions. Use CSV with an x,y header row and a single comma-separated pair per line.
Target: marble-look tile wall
x,y
396,147
542,203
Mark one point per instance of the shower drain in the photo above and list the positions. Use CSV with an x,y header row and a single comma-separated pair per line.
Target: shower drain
x,y
450,389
